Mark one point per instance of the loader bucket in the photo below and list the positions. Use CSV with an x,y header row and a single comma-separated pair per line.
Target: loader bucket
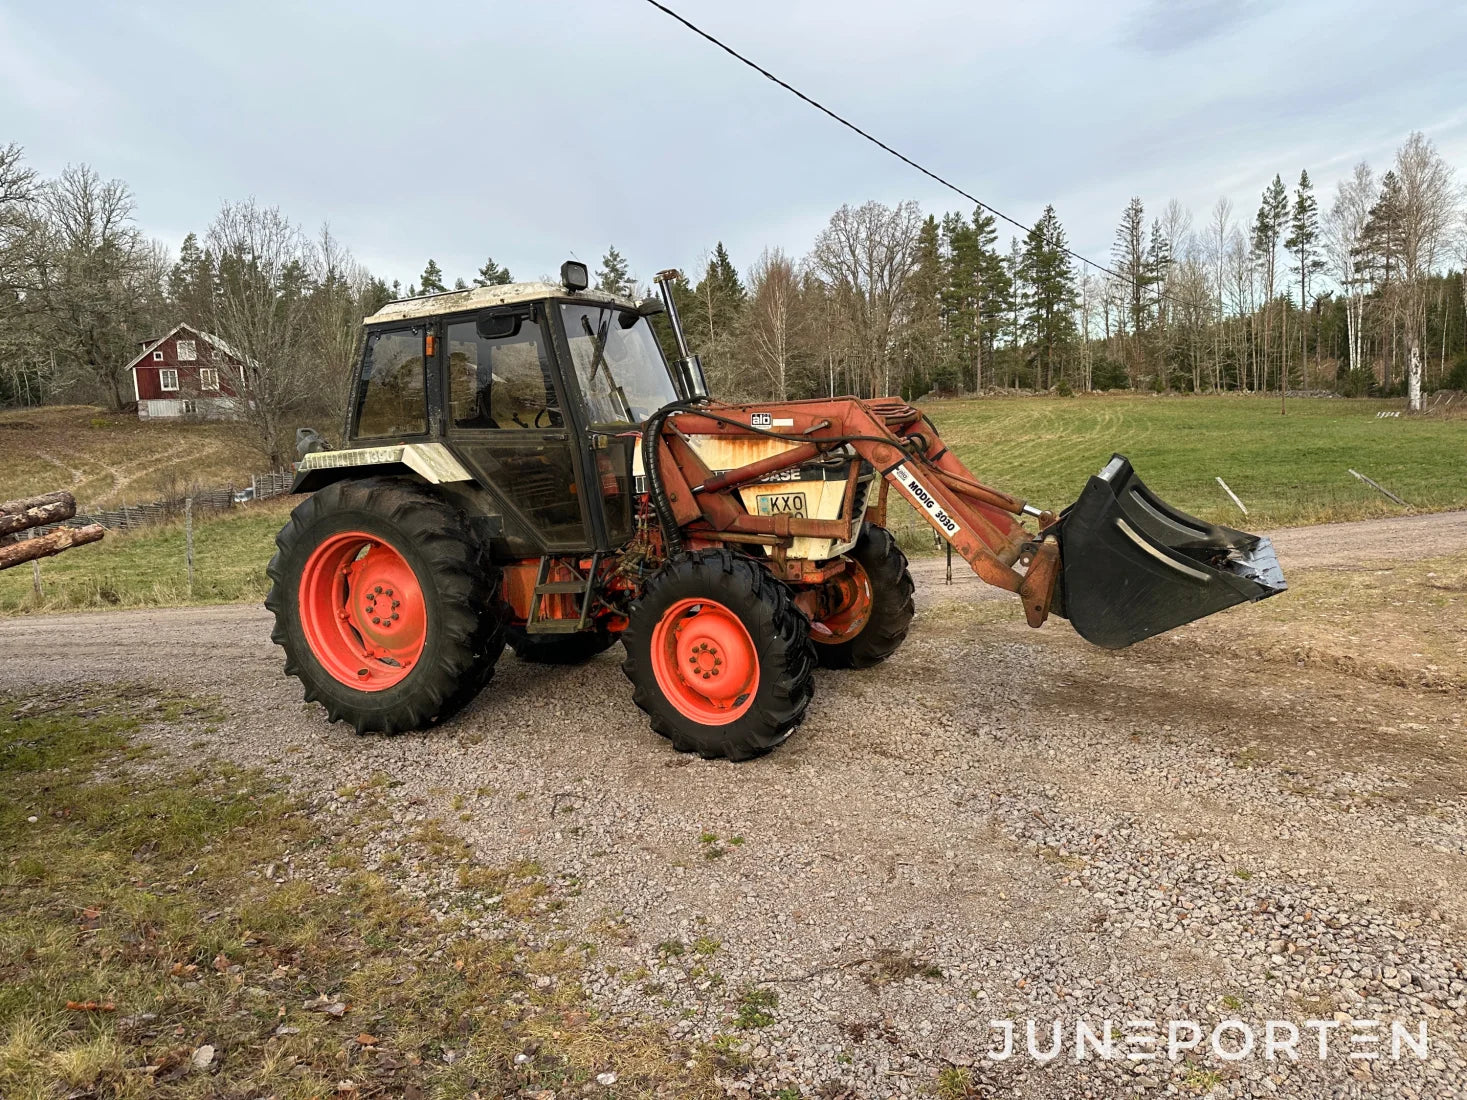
x,y
1133,566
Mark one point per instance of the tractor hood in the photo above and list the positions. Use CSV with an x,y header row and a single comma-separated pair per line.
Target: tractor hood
x,y
1133,566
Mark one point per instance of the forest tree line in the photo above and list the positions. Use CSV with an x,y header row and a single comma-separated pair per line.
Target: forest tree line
x,y
1319,295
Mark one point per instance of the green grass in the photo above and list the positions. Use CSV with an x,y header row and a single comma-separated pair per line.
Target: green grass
x,y
170,930
147,568
1288,470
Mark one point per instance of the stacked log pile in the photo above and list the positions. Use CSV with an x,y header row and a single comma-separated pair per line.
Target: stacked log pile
x,y
49,508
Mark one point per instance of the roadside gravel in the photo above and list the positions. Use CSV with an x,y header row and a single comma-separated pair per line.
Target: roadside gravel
x,y
996,824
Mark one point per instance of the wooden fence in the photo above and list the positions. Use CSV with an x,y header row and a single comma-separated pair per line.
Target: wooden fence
x,y
131,517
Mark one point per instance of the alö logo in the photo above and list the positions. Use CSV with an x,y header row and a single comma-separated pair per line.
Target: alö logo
x,y
945,523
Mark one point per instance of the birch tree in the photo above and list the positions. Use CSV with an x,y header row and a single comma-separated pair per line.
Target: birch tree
x,y
774,320
1345,249
1428,210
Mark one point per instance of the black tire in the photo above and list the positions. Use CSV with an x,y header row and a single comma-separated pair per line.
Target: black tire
x,y
891,605
781,645
558,649
464,632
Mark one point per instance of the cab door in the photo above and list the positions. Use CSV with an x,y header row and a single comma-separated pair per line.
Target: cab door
x,y
508,420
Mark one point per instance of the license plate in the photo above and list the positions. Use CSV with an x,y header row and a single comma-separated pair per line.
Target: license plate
x,y
782,504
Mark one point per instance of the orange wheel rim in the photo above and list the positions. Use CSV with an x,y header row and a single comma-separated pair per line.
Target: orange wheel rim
x,y
362,611
705,662
848,594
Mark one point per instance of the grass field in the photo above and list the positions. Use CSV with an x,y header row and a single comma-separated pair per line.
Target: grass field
x,y
1288,470
148,568
107,459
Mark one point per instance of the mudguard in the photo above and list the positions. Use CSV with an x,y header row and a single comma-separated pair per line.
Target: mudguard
x,y
1132,566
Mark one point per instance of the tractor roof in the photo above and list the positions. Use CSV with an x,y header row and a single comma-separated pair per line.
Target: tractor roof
x,y
481,297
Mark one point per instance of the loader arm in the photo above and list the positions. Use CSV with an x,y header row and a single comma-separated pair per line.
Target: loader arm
x,y
1119,563
981,523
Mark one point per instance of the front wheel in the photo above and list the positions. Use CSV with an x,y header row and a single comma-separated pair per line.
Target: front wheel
x,y
719,656
869,605
385,604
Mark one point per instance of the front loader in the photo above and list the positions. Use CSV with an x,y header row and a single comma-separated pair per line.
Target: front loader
x,y
522,466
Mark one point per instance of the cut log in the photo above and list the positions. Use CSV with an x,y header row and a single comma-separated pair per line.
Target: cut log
x,y
17,515
43,546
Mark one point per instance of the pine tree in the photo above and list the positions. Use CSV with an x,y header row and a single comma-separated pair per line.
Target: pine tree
x,y
1268,229
191,283
613,277
432,278
1158,264
1128,257
1050,296
921,334
1303,242
720,298
492,274
974,295
1384,242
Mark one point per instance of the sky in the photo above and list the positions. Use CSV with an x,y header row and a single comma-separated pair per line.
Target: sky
x,y
536,130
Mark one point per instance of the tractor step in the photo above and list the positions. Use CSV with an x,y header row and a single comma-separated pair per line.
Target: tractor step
x,y
553,626
553,587
582,586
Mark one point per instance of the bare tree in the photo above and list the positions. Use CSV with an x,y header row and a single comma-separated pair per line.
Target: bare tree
x,y
94,280
867,255
1220,231
773,319
262,312
1345,245
334,318
1428,211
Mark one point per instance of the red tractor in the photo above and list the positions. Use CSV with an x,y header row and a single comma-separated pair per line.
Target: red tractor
x,y
524,466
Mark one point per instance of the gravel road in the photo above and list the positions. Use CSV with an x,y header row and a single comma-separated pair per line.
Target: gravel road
x,y
997,824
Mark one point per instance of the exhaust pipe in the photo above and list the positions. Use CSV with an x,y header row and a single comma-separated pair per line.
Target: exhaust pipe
x,y
1132,566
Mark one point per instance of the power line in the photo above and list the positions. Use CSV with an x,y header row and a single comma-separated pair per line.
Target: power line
x,y
849,125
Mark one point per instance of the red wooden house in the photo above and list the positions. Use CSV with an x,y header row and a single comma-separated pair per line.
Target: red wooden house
x,y
187,373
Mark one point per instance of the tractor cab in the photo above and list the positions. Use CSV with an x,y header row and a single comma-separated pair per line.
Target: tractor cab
x,y
533,393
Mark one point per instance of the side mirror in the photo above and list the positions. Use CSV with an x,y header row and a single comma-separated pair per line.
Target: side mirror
x,y
651,307
497,326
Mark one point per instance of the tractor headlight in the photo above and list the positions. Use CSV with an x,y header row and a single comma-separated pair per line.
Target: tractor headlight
x,y
574,276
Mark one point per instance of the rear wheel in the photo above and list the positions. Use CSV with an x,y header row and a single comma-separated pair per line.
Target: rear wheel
x,y
385,605
558,649
869,605
719,656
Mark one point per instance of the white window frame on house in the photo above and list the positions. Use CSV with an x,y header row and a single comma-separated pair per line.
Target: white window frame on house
x,y
189,407
163,376
157,357
185,351
208,378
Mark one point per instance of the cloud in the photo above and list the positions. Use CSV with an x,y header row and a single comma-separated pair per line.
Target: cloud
x,y
1169,26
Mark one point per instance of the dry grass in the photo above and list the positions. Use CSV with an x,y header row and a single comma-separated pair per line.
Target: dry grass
x,y
107,459
196,910
1394,622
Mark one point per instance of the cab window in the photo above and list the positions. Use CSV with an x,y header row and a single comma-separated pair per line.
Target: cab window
x,y
392,401
499,373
